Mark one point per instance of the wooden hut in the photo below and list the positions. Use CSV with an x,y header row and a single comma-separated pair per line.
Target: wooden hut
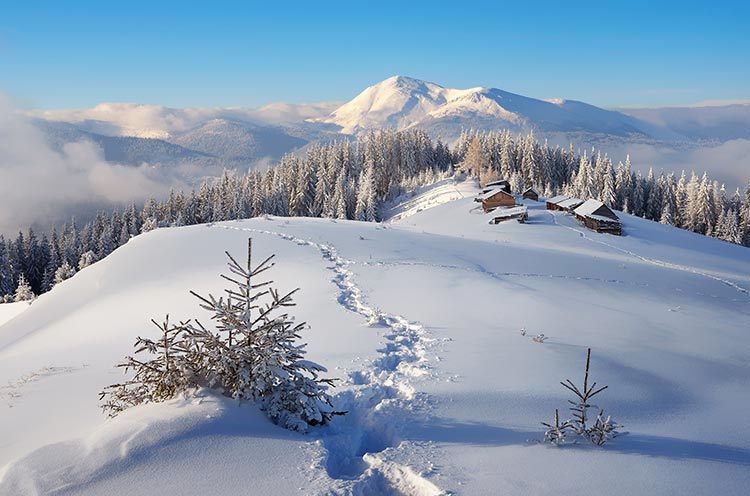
x,y
502,184
599,217
553,203
496,198
530,194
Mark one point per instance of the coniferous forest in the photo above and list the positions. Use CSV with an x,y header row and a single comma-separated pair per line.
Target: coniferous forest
x,y
350,180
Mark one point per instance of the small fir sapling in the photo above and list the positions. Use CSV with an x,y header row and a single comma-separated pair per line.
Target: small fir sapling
x,y
253,353
581,405
604,428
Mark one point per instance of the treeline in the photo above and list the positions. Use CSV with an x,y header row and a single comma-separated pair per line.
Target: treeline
x,y
344,180
690,202
349,180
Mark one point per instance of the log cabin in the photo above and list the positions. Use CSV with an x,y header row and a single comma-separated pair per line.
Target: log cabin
x,y
530,194
597,216
496,198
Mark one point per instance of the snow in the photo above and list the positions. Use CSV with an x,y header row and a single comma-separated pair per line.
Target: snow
x,y
557,199
508,212
443,397
10,310
570,203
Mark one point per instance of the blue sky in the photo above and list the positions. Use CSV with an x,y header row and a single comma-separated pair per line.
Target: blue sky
x,y
77,54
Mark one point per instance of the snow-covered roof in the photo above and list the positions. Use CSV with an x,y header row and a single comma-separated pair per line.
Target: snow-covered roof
x,y
602,218
491,193
497,183
588,208
508,212
557,199
570,203
529,189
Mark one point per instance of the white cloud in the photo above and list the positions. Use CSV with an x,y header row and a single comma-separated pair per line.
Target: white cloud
x,y
41,185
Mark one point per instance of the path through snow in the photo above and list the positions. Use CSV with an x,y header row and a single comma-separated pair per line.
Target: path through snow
x,y
382,394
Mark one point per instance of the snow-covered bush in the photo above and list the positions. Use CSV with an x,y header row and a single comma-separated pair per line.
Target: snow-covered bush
x,y
23,291
64,272
604,428
251,353
87,258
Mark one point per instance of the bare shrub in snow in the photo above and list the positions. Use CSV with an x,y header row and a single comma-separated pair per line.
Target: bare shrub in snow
x,y
604,428
252,353
539,338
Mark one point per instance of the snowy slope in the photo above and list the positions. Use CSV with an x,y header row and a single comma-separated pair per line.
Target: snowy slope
x,y
403,102
420,317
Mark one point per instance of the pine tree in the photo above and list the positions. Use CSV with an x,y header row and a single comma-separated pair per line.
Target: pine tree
x,y
23,291
252,354
87,258
476,158
7,286
666,215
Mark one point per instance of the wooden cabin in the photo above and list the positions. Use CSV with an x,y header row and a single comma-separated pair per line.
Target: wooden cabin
x,y
530,194
553,203
597,216
502,184
496,198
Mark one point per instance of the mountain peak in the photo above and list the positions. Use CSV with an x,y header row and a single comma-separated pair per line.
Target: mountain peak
x,y
404,102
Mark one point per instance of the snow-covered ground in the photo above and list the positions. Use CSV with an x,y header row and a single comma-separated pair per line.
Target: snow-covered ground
x,y
420,317
10,310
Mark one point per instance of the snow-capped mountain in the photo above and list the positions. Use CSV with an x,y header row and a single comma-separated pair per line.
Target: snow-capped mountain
x,y
421,319
403,102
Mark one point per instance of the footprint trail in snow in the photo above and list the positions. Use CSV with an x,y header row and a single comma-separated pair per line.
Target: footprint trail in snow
x,y
360,446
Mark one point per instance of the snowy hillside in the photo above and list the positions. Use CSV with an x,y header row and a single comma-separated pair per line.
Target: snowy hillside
x,y
403,102
420,317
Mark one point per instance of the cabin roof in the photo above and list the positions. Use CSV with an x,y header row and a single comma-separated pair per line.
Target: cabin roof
x,y
529,190
557,199
500,182
589,207
492,193
508,211
570,202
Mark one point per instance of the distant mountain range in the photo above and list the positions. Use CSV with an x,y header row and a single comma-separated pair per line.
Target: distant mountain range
x,y
134,134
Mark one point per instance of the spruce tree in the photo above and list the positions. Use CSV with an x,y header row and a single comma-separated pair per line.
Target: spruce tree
x,y
23,291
